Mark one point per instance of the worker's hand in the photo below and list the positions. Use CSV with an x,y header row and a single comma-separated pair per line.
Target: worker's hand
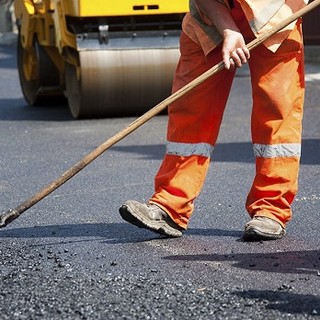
x,y
234,50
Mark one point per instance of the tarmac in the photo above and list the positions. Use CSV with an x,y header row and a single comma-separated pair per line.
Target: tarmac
x,y
72,256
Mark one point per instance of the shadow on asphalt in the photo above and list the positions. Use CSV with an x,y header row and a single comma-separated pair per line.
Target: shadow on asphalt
x,y
284,301
111,233
295,262
19,110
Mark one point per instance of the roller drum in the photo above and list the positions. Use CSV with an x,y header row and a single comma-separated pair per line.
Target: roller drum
x,y
120,82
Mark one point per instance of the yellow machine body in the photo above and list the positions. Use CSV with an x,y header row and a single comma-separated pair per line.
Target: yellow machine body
x,y
108,59
87,8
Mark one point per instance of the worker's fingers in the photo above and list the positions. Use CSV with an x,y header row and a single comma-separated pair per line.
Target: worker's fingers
x,y
236,58
240,56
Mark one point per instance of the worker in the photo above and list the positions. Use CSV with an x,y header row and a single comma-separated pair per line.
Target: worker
x,y
212,31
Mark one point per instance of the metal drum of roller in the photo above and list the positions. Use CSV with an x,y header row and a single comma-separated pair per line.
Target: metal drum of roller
x,y
122,81
109,60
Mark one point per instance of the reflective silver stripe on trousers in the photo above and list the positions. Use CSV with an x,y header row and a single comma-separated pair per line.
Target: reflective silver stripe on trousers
x,y
189,149
283,150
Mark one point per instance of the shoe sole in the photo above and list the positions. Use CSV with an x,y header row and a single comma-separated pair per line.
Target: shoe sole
x,y
160,227
257,235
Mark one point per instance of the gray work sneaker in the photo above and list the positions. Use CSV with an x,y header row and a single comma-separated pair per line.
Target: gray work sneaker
x,y
263,228
151,217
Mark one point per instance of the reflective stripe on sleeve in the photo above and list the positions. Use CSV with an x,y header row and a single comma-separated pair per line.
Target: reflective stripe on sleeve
x,y
189,149
283,150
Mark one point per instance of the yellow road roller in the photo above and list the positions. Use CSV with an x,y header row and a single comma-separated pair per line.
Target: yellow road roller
x,y
108,58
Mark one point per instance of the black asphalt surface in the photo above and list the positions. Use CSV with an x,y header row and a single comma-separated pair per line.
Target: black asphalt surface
x,y
72,257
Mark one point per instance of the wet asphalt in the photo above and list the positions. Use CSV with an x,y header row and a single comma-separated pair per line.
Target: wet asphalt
x,y
71,256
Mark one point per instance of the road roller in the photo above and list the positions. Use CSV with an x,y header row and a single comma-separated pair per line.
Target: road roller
x,y
107,58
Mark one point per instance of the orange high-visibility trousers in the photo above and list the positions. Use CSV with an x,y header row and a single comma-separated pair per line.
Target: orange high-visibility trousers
x,y
195,119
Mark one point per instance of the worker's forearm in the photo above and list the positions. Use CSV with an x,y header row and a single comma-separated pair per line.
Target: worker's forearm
x,y
218,14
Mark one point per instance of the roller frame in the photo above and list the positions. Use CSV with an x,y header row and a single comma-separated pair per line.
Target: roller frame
x,y
75,54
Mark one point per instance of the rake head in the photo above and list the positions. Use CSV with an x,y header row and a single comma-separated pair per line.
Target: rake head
x,y
8,217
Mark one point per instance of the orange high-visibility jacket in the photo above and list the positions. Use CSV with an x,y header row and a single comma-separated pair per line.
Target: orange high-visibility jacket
x,y
261,15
